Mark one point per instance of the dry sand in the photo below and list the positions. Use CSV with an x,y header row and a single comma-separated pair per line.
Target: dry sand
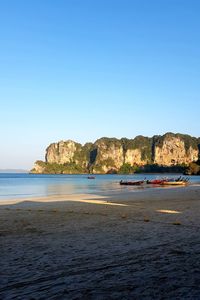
x,y
143,245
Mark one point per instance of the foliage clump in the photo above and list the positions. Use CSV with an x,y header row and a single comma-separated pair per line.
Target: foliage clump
x,y
155,168
102,154
82,155
55,168
108,142
126,168
193,169
144,144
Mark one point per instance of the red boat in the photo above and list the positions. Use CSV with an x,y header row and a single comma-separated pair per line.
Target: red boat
x,y
139,182
175,181
155,181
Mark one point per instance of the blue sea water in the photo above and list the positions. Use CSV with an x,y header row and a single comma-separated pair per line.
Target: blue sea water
x,y
15,185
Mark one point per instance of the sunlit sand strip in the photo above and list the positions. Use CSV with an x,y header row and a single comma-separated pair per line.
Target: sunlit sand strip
x,y
85,198
101,202
167,211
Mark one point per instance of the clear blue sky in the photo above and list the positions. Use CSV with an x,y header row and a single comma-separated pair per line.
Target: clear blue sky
x,y
83,69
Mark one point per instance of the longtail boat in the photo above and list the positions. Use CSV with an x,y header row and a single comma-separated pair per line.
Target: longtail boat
x,y
169,181
155,181
139,182
91,177
174,183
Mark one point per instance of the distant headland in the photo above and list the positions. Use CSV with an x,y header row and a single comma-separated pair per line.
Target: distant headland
x,y
13,171
167,153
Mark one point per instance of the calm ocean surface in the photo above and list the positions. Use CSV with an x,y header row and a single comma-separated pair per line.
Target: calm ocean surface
x,y
13,185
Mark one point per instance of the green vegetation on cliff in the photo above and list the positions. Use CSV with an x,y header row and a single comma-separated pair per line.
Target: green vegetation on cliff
x,y
126,168
54,168
193,168
104,152
82,155
154,168
108,142
144,144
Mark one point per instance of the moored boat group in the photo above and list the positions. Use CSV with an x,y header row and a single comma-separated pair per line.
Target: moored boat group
x,y
162,181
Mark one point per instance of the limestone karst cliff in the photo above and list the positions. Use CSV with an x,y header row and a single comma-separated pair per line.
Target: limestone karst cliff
x,y
109,155
66,152
174,149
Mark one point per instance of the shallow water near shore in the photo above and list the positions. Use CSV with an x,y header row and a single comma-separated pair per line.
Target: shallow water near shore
x,y
15,185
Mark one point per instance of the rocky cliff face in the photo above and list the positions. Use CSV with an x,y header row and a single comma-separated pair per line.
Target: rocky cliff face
x,y
137,151
134,157
110,154
38,167
175,149
62,152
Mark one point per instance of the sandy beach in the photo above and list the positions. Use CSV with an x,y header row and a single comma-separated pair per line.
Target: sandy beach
x,y
143,245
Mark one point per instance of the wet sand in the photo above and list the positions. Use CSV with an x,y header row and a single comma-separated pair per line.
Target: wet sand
x,y
143,245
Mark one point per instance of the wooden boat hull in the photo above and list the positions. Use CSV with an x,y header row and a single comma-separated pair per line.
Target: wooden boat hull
x,y
174,183
154,181
131,182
